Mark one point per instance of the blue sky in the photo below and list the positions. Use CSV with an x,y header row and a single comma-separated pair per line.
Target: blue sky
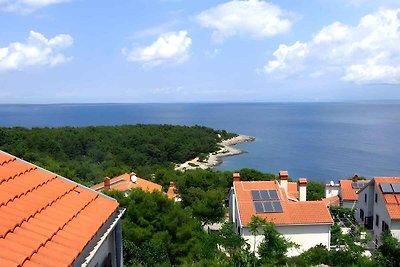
x,y
76,51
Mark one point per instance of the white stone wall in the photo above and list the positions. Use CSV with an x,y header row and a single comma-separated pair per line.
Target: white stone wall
x,y
307,236
379,208
331,191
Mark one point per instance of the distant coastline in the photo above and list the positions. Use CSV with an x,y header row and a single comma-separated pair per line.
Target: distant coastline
x,y
213,159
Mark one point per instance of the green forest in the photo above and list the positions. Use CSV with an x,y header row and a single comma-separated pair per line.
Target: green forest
x,y
160,232
87,154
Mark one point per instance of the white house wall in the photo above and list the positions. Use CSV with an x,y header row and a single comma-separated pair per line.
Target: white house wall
x,y
379,209
307,236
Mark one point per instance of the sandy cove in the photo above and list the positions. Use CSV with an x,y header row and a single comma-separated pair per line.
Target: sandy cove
x,y
216,158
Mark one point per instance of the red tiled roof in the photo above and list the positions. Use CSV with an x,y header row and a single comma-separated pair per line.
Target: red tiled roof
x,y
307,212
293,191
392,200
123,183
332,201
347,190
45,220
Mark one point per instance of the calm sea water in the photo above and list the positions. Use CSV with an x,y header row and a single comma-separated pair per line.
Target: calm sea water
x,y
320,141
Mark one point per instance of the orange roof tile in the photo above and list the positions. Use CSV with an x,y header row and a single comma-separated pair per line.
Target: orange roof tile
x,y
331,201
39,209
307,212
392,200
123,183
293,191
347,190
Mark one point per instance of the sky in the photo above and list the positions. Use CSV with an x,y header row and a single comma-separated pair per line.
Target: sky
x,y
142,51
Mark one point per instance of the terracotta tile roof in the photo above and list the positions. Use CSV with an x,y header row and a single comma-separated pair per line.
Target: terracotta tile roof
x,y
307,212
332,201
347,190
171,193
293,191
392,200
45,220
123,183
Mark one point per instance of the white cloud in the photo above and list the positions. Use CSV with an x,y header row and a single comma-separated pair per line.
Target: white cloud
x,y
169,48
254,18
38,50
366,53
26,6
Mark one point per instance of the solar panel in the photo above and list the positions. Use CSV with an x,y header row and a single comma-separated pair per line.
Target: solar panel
x,y
259,207
255,194
273,194
268,206
264,194
277,206
396,188
386,188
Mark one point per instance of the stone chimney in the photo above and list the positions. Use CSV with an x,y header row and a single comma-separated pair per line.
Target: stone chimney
x,y
302,189
283,177
236,177
355,177
107,183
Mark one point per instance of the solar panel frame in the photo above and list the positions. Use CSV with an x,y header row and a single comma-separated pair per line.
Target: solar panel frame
x,y
273,194
255,195
264,195
258,206
396,188
386,188
277,205
268,206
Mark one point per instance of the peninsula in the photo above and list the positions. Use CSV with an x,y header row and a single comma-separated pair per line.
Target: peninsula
x,y
215,158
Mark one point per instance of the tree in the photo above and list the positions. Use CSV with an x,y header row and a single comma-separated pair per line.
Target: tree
x,y
255,226
315,190
388,254
274,247
229,239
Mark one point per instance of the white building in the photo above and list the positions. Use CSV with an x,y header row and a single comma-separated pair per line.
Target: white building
x,y
344,193
307,223
379,206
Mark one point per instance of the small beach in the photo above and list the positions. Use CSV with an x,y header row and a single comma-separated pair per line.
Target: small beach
x,y
215,158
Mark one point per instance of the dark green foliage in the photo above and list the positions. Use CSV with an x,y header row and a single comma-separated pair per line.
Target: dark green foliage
x,y
158,231
90,153
315,190
388,254
274,247
229,239
247,174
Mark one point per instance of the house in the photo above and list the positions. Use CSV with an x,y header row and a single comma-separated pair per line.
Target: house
x,y
379,206
344,193
307,223
126,182
48,220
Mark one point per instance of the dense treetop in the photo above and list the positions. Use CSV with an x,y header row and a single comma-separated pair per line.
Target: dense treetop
x,y
88,154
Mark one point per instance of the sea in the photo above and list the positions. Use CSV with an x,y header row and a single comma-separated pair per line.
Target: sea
x,y
318,141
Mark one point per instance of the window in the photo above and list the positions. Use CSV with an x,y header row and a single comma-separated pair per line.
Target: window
x,y
385,226
377,220
376,198
362,214
365,198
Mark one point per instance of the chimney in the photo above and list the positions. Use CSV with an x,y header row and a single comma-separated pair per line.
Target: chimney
x,y
107,183
236,177
355,177
283,177
302,189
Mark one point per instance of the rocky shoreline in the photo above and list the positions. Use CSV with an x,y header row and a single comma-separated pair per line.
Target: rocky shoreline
x,y
216,158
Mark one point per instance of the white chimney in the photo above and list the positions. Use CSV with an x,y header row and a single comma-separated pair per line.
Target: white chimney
x,y
133,177
302,189
283,177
